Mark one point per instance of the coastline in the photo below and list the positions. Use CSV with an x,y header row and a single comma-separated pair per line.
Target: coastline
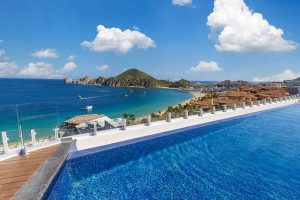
x,y
194,95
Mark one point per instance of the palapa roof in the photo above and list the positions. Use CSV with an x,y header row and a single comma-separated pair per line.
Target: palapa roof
x,y
224,101
250,88
236,95
80,119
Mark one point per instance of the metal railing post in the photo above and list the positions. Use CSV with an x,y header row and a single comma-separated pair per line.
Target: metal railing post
x,y
258,103
213,110
5,142
234,106
148,120
243,105
169,117
186,114
225,108
33,134
124,124
56,133
95,128
251,103
200,112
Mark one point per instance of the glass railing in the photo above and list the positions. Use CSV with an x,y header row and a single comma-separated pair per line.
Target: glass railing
x,y
9,126
38,122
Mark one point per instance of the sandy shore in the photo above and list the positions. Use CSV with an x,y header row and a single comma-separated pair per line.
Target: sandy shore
x,y
194,96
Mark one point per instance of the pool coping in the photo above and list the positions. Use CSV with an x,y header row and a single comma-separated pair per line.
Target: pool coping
x,y
36,186
114,138
79,153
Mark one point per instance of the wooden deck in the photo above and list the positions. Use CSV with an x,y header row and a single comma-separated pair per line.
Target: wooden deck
x,y
15,171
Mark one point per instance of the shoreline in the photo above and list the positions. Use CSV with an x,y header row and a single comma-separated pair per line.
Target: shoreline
x,y
194,95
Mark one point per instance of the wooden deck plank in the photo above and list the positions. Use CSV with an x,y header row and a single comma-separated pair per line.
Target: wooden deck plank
x,y
15,171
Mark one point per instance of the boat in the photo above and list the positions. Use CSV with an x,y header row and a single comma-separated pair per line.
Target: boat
x,y
87,108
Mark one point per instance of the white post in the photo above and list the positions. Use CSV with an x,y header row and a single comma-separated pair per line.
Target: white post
x,y
149,120
234,106
258,103
56,133
224,108
213,110
5,143
200,112
251,103
124,124
186,114
275,100
169,117
243,105
95,128
33,133
264,102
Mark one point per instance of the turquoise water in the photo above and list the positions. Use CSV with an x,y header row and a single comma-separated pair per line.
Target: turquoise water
x,y
252,157
59,101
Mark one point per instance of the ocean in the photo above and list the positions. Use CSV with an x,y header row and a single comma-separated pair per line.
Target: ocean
x,y
43,105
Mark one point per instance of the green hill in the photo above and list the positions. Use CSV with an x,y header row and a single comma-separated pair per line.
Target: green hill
x,y
181,84
130,78
133,78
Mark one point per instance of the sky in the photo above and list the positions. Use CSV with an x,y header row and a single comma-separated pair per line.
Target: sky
x,y
254,40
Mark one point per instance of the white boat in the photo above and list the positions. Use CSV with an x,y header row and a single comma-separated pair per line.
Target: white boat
x,y
87,108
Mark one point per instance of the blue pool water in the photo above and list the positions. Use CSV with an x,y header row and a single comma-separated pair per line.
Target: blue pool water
x,y
252,157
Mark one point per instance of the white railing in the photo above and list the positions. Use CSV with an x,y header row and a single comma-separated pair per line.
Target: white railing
x,y
34,143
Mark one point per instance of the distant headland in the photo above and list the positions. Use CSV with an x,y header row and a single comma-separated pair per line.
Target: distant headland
x,y
130,78
137,78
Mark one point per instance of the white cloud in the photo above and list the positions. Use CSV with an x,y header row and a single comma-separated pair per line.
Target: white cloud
x,y
237,28
287,74
102,68
46,70
1,41
206,67
2,54
8,68
181,2
114,39
39,69
136,28
68,67
71,57
45,53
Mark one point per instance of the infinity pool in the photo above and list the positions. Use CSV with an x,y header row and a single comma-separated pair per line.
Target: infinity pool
x,y
252,157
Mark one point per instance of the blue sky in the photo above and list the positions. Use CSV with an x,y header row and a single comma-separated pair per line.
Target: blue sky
x,y
170,39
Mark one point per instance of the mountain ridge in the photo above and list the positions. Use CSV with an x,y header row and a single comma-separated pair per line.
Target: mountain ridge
x,y
130,78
